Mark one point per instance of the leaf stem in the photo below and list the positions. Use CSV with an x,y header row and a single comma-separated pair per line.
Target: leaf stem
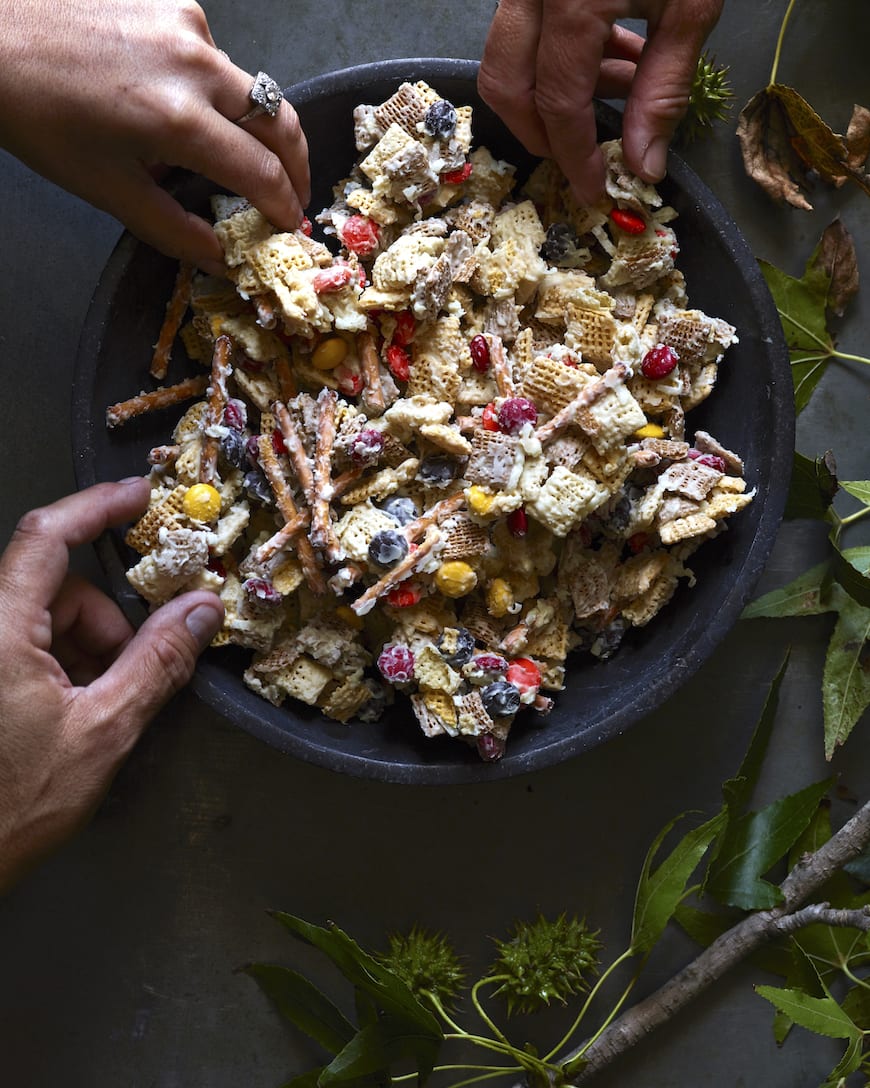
x,y
851,518
566,1038
442,1012
481,1012
779,40
829,349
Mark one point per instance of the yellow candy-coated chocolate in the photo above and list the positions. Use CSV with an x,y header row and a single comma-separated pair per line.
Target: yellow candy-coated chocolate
x,y
202,502
479,500
499,597
329,353
455,578
650,430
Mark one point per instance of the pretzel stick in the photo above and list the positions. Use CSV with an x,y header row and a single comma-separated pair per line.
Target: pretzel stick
x,y
286,504
434,515
295,449
501,369
322,534
347,479
371,371
285,535
588,396
265,307
398,574
280,489
286,379
176,308
163,455
221,368
126,410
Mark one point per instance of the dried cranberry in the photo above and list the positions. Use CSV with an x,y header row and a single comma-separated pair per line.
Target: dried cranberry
x,y
306,226
367,446
278,442
515,413
490,747
711,460
399,362
235,414
659,361
217,567
637,542
479,348
518,522
360,234
396,663
630,222
260,591
494,663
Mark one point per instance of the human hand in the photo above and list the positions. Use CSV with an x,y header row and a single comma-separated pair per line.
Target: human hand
x,y
78,684
101,96
544,61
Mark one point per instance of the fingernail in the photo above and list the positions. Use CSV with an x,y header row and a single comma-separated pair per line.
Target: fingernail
x,y
213,268
203,622
655,159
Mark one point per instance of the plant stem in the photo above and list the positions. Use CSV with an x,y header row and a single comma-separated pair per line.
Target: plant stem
x,y
589,998
442,1012
481,1012
778,52
852,518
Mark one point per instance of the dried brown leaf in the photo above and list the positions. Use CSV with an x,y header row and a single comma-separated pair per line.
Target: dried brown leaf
x,y
767,157
835,254
858,137
782,139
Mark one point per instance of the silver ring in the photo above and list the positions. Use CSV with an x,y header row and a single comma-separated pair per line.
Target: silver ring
x,y
266,96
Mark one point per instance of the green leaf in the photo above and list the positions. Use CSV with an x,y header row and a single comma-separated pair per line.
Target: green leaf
x,y
848,1064
802,306
363,971
737,792
659,892
846,678
755,843
850,570
821,1015
856,1005
300,1002
810,594
404,1029
859,488
375,1049
813,486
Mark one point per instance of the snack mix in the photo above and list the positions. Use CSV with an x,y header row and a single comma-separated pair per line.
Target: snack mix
x,y
444,458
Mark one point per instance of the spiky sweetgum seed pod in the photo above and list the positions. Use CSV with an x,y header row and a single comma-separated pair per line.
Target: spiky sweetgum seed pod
x,y
709,99
426,963
544,961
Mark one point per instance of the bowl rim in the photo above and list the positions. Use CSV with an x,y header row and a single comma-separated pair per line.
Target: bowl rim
x,y
207,680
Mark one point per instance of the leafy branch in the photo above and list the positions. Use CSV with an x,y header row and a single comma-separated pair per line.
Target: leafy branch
x,y
403,998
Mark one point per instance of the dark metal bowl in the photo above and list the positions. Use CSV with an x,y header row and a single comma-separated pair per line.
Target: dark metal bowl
x,y
751,411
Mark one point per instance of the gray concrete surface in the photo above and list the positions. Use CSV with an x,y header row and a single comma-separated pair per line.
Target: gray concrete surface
x,y
117,957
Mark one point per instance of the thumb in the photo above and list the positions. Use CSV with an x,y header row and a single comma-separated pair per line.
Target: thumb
x,y
157,662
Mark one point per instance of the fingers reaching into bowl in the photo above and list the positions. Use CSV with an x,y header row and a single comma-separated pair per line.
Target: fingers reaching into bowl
x,y
78,685
544,61
107,95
